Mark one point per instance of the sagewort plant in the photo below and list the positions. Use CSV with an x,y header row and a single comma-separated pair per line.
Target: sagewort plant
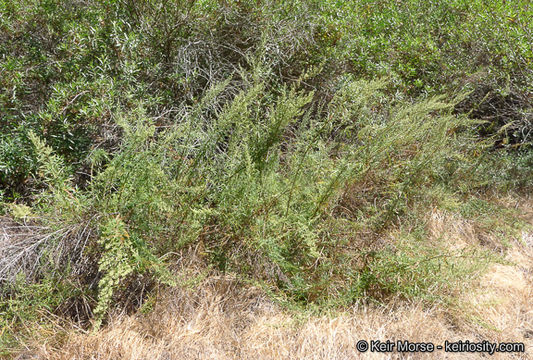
x,y
263,184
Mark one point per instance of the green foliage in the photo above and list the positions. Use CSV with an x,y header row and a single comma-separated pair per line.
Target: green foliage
x,y
64,80
266,175
117,262
121,254
52,167
414,270
427,46
19,211
250,134
23,305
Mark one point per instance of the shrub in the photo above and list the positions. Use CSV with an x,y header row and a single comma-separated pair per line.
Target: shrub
x,y
279,141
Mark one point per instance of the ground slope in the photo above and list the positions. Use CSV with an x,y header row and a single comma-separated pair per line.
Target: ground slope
x,y
221,319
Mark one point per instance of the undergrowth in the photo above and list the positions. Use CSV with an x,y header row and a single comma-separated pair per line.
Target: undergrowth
x,y
298,146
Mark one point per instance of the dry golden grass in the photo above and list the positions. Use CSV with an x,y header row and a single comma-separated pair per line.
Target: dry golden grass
x,y
222,319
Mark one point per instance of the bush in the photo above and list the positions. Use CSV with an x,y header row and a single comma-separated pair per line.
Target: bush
x,y
282,142
262,179
64,80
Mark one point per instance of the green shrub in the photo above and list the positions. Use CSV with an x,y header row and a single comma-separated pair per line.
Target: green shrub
x,y
258,184
258,135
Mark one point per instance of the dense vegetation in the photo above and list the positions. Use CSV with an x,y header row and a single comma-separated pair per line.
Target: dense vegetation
x,y
279,141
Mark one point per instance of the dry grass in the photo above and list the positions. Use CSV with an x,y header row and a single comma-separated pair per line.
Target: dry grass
x,y
221,319
24,243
